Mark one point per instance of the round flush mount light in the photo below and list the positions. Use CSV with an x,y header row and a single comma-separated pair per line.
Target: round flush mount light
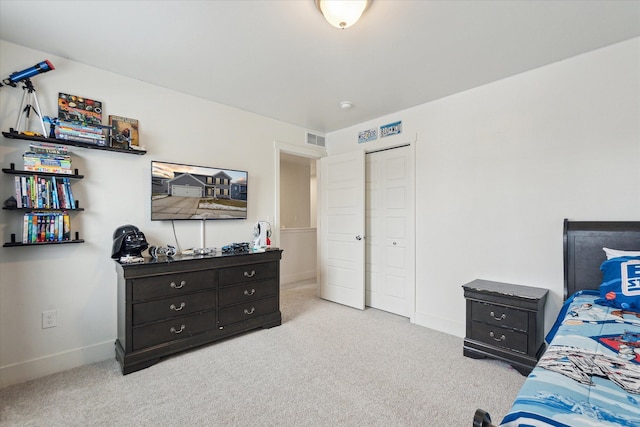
x,y
346,105
342,13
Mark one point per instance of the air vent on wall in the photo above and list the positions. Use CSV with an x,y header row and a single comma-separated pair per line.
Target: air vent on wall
x,y
314,139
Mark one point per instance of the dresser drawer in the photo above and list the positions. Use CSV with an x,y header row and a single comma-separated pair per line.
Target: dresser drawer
x,y
248,310
248,273
499,315
499,337
171,284
167,308
174,329
247,292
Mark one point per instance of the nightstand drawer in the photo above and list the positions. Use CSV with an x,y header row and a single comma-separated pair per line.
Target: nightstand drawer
x,y
498,315
499,337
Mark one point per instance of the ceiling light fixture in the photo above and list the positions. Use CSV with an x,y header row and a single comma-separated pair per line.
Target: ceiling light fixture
x,y
342,13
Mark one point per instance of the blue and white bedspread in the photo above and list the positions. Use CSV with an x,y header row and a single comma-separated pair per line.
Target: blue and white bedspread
x,y
590,373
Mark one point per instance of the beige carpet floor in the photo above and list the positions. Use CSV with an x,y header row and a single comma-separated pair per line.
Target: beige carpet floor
x,y
326,365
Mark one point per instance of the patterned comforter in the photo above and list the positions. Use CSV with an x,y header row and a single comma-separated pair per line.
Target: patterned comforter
x,y
589,375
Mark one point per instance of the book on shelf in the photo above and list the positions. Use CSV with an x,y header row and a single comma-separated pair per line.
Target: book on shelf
x,y
81,132
42,192
124,132
77,109
45,148
39,227
80,138
52,163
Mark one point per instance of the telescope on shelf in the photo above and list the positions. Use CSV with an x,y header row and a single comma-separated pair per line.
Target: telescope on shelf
x,y
29,97
27,73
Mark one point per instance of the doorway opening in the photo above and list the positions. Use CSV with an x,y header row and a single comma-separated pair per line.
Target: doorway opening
x,y
295,230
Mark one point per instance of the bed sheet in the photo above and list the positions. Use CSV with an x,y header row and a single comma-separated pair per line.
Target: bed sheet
x,y
590,373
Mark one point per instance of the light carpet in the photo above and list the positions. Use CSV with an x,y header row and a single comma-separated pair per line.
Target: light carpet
x,y
326,365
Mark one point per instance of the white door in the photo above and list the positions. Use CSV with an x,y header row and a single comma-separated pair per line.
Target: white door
x,y
342,229
390,232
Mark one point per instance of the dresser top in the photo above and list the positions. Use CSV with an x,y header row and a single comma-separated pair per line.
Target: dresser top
x,y
181,263
506,289
162,259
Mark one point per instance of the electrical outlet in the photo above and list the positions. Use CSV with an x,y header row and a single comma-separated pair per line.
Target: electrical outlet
x,y
49,319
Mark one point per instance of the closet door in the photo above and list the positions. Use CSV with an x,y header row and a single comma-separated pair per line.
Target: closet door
x,y
390,252
342,229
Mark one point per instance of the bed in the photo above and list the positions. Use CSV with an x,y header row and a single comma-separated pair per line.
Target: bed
x,y
590,373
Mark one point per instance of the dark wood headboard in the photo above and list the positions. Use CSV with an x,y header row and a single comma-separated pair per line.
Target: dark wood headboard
x,y
583,254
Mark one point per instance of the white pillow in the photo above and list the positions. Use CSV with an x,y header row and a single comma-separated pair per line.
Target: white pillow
x,y
614,253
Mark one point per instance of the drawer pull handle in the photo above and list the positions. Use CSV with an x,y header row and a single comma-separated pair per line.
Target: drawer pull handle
x,y
249,293
253,273
502,337
176,286
173,306
177,331
492,314
253,309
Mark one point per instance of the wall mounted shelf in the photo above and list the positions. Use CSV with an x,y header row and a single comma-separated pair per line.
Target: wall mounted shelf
x,y
13,171
16,135
14,242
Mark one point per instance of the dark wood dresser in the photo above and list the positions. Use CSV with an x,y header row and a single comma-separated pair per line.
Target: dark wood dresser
x,y
505,322
169,305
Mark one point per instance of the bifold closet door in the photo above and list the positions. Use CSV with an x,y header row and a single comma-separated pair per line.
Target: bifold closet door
x,y
389,250
342,228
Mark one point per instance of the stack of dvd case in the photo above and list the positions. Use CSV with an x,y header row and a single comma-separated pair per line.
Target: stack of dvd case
x,y
48,158
71,131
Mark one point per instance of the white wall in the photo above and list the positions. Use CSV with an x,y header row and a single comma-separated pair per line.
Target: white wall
x,y
299,256
295,192
499,167
79,281
298,237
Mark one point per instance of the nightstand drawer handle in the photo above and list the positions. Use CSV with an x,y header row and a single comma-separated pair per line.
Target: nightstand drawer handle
x,y
492,314
173,306
175,286
177,331
502,337
253,273
253,309
249,293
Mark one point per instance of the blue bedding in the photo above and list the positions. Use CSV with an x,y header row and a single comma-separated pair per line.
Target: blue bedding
x,y
590,373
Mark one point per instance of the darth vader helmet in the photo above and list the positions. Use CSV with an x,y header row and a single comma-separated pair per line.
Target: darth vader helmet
x,y
128,240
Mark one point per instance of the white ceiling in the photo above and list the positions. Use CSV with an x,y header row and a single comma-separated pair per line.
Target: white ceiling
x,y
280,59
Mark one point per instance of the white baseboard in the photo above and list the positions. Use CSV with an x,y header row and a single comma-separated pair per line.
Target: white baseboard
x,y
42,366
442,325
298,276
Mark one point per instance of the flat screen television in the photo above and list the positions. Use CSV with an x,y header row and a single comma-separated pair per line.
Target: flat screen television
x,y
183,192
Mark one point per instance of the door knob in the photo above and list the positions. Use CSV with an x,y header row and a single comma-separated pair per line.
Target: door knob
x,y
358,237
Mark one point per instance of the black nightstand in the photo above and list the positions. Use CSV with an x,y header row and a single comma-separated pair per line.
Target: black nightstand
x,y
505,322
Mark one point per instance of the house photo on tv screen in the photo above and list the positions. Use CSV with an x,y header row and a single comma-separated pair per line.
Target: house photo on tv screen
x,y
181,191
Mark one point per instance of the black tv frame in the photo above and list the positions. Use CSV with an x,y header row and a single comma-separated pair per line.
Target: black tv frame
x,y
179,191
